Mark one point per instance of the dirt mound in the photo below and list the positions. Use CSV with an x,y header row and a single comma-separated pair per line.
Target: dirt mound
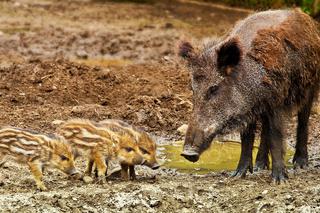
x,y
155,96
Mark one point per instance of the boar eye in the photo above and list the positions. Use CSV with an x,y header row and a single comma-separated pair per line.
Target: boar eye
x,y
128,149
63,157
144,151
212,91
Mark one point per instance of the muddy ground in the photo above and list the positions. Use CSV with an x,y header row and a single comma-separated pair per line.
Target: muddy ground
x,y
66,59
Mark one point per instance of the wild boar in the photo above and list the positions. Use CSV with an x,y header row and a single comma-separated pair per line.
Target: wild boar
x,y
268,65
100,145
37,151
147,146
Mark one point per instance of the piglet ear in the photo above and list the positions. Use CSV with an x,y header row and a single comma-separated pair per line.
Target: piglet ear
x,y
229,54
186,50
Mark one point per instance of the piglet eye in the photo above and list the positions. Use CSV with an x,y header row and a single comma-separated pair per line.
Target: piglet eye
x,y
128,149
144,151
63,157
212,91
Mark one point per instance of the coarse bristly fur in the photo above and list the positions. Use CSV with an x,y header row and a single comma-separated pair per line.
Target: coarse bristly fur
x,y
100,145
266,66
37,151
147,146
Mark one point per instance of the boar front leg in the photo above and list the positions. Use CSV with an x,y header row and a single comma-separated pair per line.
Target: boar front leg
x,y
36,170
89,167
245,162
124,172
277,146
262,160
300,158
101,166
132,173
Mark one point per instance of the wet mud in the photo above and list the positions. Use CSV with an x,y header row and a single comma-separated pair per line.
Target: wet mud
x,y
68,59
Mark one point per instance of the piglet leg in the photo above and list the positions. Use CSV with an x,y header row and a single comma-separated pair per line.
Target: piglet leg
x,y
132,173
36,170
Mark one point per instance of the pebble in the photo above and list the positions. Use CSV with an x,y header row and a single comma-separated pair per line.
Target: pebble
x,y
87,179
154,203
183,129
305,209
264,192
62,204
185,210
57,122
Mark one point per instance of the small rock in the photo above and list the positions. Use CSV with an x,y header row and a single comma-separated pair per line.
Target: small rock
x,y
305,209
183,129
57,122
290,207
76,210
82,54
62,204
185,210
264,192
87,179
154,203
288,197
166,58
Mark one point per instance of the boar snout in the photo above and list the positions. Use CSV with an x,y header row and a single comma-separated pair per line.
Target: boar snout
x,y
155,166
190,153
72,172
196,142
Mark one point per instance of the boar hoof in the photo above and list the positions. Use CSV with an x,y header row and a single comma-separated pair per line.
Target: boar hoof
x,y
242,169
101,180
279,176
300,162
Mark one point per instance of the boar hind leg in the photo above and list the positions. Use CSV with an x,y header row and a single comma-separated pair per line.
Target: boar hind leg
x,y
277,147
36,170
132,173
245,163
262,160
300,158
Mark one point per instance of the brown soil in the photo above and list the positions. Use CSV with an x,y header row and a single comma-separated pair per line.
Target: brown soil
x,y
66,59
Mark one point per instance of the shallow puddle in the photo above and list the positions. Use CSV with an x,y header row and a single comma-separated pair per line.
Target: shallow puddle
x,y
220,156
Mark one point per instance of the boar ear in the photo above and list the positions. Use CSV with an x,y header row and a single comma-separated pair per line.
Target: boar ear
x,y
185,50
229,56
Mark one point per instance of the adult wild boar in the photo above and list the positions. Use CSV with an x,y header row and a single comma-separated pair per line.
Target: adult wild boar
x,y
266,66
